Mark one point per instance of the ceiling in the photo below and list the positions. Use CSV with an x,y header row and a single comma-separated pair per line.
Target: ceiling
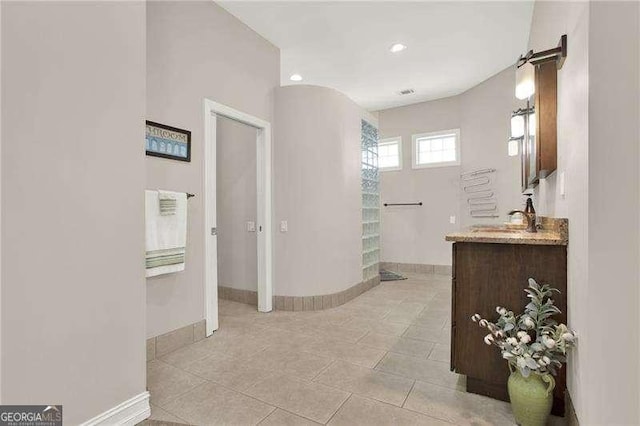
x,y
451,46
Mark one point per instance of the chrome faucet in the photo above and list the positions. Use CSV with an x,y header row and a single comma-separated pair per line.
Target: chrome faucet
x,y
530,214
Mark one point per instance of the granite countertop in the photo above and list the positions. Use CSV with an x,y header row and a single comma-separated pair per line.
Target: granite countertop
x,y
554,232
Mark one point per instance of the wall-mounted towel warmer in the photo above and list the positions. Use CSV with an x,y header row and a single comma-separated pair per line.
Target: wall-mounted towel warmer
x,y
480,196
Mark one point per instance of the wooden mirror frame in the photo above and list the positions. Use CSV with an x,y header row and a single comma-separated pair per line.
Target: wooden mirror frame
x,y
544,150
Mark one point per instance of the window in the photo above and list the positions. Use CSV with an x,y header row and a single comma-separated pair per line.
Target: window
x,y
390,154
436,149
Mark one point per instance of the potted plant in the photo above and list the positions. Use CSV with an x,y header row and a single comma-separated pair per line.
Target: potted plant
x,y
535,346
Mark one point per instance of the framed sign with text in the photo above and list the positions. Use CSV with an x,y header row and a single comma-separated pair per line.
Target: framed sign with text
x,y
167,142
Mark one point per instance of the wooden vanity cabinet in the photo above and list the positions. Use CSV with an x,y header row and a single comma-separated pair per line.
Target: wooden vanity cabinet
x,y
487,275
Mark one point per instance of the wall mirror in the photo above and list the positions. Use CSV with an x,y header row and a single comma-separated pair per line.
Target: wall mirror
x,y
537,84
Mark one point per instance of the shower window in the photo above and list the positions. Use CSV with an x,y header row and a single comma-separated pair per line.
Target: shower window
x,y
436,149
390,154
370,202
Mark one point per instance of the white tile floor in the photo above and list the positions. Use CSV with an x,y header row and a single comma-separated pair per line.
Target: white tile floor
x,y
381,359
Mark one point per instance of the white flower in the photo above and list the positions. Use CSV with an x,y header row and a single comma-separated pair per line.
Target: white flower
x,y
528,322
483,323
488,339
475,317
520,334
525,339
512,341
546,360
500,333
501,310
548,342
568,336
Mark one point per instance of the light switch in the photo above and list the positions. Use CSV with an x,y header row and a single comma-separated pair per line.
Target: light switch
x,y
284,227
251,226
452,219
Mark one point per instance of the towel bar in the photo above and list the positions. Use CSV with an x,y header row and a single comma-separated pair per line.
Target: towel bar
x,y
403,204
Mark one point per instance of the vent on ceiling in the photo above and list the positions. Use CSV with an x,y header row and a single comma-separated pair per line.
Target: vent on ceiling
x,y
407,91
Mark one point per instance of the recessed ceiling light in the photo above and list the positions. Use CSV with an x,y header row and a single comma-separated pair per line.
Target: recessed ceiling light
x,y
398,47
295,77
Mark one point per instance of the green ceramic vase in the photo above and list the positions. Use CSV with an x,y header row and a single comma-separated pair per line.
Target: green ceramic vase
x,y
531,397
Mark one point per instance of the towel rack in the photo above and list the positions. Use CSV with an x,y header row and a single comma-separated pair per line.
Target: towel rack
x,y
472,174
189,195
403,204
477,185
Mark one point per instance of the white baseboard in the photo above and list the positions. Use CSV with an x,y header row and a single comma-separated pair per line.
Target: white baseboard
x,y
128,413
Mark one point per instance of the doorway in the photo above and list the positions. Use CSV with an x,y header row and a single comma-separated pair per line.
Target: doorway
x,y
263,225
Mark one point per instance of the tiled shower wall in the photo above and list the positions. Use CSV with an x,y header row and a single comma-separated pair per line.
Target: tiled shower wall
x,y
370,202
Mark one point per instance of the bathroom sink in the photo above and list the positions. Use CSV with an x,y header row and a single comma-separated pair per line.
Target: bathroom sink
x,y
499,230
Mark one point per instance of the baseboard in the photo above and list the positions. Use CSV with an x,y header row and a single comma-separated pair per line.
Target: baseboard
x,y
168,342
128,413
324,301
416,268
248,297
570,413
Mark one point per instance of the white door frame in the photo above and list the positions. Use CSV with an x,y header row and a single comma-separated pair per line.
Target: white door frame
x,y
263,227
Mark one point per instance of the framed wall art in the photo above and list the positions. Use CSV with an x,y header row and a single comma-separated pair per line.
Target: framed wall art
x,y
167,142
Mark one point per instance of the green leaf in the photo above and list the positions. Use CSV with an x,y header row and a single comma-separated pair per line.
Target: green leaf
x,y
531,363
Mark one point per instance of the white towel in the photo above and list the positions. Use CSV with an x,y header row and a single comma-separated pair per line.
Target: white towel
x,y
166,235
168,202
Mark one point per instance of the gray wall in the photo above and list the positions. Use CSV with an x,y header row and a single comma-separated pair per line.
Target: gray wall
x,y
1,303
598,110
416,234
318,191
73,289
614,190
197,50
550,21
236,204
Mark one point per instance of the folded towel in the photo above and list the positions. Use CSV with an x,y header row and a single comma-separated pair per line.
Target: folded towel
x,y
168,202
166,234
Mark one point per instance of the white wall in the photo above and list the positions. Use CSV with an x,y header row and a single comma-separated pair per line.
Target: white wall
x,y
236,205
197,50
550,21
486,120
614,200
73,289
317,159
416,234
1,363
598,153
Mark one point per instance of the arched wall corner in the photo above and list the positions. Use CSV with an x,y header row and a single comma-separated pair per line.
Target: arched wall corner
x,y
317,191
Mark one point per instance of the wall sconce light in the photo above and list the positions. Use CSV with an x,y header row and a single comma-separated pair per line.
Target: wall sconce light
x,y
513,147
520,124
525,77
525,67
517,125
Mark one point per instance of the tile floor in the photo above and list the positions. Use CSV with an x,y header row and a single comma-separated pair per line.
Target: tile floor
x,y
381,359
